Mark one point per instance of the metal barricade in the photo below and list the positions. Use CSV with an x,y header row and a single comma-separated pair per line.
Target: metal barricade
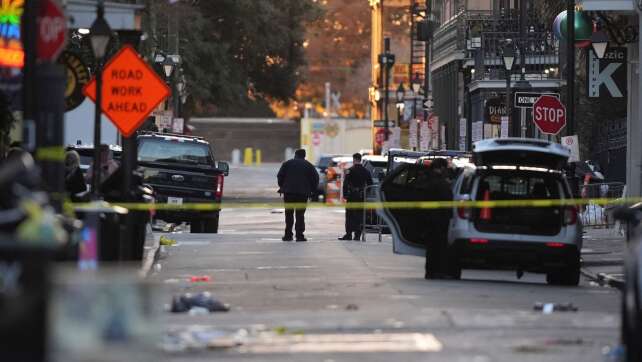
x,y
372,222
598,216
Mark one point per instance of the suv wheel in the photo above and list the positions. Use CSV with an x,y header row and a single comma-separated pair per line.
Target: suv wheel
x,y
568,276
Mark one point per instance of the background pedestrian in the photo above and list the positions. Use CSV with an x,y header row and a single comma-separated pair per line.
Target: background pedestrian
x,y
355,182
298,180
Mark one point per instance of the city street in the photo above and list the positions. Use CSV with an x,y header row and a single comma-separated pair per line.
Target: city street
x,y
330,300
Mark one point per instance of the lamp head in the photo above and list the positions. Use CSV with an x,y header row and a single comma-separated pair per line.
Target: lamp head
x,y
168,66
100,34
599,41
509,56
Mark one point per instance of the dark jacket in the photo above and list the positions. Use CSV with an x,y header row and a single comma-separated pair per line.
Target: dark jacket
x,y
438,189
356,180
75,182
297,176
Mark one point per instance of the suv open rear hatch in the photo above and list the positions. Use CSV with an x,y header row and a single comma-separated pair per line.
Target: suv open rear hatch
x,y
520,152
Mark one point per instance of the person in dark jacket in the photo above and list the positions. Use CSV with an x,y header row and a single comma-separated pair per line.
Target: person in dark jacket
x,y
356,179
298,180
437,222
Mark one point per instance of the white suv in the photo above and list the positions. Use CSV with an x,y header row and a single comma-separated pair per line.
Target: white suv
x,y
534,239
526,239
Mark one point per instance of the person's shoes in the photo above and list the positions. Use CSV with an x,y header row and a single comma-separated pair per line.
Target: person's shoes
x,y
346,237
301,238
357,236
287,238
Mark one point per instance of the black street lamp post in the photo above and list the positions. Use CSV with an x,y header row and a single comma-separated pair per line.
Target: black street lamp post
x,y
168,69
100,34
416,89
570,67
400,95
386,61
509,59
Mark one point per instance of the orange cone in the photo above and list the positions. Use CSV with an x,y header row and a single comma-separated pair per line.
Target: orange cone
x,y
485,213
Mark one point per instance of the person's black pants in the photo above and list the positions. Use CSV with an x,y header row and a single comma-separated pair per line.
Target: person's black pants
x,y
436,254
354,217
299,227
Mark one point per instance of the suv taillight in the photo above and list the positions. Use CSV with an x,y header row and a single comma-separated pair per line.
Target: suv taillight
x,y
219,186
570,215
463,212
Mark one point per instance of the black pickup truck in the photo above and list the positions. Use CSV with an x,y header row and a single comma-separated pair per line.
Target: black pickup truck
x,y
181,169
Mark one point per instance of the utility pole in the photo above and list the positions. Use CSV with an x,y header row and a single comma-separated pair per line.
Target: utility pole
x,y
44,108
427,75
570,67
29,31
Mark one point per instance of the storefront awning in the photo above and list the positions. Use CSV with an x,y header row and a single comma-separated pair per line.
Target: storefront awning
x,y
607,5
120,16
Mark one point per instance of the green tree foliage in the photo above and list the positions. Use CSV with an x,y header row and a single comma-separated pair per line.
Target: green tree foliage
x,y
238,55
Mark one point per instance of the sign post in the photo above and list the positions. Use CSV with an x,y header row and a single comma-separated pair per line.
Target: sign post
x,y
549,115
45,38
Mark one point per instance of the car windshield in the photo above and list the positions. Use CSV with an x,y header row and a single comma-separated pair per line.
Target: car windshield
x,y
512,186
160,150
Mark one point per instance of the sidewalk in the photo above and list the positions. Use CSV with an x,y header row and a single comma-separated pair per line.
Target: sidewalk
x,y
603,256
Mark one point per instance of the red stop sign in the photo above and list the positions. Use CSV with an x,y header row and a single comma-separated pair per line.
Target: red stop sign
x,y
52,31
549,114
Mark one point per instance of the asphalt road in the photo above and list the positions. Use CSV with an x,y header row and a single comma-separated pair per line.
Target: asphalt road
x,y
330,300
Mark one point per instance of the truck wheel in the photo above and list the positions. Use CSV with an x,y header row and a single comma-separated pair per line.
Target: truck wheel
x,y
210,225
196,226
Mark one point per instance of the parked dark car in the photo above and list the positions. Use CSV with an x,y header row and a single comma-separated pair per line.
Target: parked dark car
x,y
182,170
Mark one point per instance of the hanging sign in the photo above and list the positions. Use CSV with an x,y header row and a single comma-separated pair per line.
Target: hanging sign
x,y
494,110
77,78
607,76
11,52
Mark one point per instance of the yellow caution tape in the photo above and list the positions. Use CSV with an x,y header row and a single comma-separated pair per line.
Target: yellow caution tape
x,y
53,153
375,205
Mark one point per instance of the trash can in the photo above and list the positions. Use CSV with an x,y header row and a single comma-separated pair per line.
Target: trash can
x,y
24,293
105,221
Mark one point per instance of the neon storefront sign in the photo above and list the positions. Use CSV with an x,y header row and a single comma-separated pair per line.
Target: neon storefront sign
x,y
11,51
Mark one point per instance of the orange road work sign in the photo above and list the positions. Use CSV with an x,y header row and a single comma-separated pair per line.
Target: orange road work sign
x,y
131,90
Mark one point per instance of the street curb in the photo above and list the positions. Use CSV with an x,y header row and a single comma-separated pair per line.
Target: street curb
x,y
150,252
603,262
603,279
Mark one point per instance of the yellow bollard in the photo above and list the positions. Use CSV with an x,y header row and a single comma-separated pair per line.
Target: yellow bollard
x,y
257,158
247,156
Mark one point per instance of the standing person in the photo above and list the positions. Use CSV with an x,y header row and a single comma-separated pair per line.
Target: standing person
x,y
438,189
354,184
107,164
74,180
298,180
